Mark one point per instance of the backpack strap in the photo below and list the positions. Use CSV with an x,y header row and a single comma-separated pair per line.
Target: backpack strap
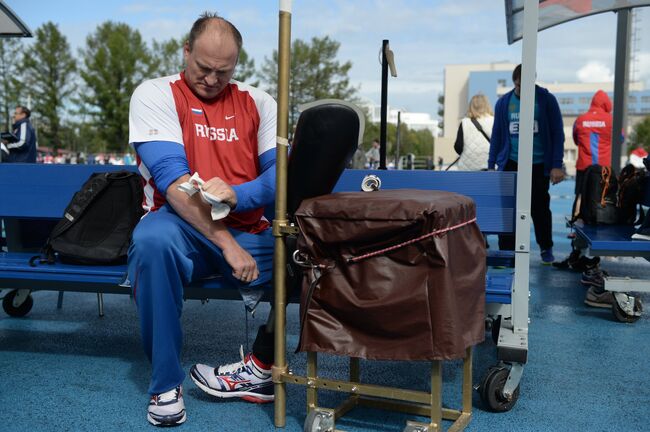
x,y
606,175
480,128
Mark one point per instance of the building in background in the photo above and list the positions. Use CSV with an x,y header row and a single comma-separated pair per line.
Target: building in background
x,y
495,79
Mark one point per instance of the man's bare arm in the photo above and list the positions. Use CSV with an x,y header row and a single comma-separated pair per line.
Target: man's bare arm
x,y
197,213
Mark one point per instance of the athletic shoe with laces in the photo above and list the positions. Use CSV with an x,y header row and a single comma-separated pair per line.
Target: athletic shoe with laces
x,y
547,256
168,408
248,379
594,277
599,298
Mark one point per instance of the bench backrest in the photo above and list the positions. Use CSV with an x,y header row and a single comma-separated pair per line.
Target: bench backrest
x,y
494,192
43,190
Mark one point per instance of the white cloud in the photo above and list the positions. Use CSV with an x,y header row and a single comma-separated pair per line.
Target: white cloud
x,y
594,72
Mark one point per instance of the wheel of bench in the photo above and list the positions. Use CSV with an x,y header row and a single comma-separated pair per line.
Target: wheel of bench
x,y
620,314
318,421
19,311
491,390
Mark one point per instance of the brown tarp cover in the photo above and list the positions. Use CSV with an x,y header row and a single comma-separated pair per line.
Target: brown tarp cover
x,y
420,301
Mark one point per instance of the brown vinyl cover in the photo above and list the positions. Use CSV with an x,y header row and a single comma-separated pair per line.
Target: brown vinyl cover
x,y
421,301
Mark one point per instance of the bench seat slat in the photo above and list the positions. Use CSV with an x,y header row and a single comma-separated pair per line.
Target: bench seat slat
x,y
611,238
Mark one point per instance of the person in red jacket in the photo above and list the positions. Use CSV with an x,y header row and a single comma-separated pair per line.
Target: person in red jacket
x,y
592,133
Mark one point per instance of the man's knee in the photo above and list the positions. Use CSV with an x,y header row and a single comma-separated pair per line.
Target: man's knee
x,y
153,237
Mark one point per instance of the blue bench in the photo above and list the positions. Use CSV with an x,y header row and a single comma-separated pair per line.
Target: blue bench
x,y
616,240
40,193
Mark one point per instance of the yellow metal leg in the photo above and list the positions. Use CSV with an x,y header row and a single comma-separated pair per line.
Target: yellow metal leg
x,y
436,395
312,375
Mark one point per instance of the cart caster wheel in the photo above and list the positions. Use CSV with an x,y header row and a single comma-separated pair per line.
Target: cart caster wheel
x,y
319,421
496,326
491,390
17,311
626,315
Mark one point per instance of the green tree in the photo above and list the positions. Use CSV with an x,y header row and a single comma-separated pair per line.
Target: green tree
x,y
441,110
315,74
167,57
115,61
640,134
245,70
10,79
49,76
418,142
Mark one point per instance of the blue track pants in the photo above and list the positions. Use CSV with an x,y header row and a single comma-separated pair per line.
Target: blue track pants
x,y
167,253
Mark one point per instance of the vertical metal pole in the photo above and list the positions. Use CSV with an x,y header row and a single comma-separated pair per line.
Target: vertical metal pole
x,y
436,395
524,171
355,369
279,256
384,105
312,374
467,381
621,82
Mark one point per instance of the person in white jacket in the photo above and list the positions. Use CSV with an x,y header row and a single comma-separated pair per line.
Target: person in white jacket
x,y
473,137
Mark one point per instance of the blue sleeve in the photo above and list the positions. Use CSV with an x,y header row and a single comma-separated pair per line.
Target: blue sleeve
x,y
496,138
557,131
261,191
165,160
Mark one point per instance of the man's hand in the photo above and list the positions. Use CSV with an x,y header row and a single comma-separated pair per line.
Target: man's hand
x,y
557,175
222,190
244,267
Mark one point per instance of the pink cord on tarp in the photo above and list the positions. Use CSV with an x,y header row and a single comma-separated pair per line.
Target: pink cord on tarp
x,y
415,240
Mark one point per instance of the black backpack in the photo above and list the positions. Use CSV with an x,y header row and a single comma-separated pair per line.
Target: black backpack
x,y
596,202
97,225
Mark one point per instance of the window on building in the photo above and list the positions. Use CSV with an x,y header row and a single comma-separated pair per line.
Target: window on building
x,y
501,83
585,100
645,99
566,101
631,99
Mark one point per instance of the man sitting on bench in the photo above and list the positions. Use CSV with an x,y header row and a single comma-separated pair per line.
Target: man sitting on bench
x,y
199,121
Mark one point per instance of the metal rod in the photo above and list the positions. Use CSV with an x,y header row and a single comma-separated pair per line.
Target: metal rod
x,y
355,369
312,375
100,304
524,169
436,395
279,257
621,77
384,105
467,381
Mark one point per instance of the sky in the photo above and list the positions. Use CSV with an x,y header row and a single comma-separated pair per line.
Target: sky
x,y
425,35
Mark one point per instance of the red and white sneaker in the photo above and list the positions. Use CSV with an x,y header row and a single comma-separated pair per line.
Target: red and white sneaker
x,y
168,408
249,379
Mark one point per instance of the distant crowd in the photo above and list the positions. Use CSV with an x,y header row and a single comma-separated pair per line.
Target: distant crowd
x,y
83,158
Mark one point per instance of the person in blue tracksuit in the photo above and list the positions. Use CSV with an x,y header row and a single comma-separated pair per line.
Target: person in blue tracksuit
x,y
24,149
548,151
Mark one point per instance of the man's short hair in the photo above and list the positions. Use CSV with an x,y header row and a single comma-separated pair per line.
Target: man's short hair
x,y
202,23
24,110
516,74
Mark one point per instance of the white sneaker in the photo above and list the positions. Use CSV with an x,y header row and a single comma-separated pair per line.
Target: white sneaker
x,y
168,408
248,379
